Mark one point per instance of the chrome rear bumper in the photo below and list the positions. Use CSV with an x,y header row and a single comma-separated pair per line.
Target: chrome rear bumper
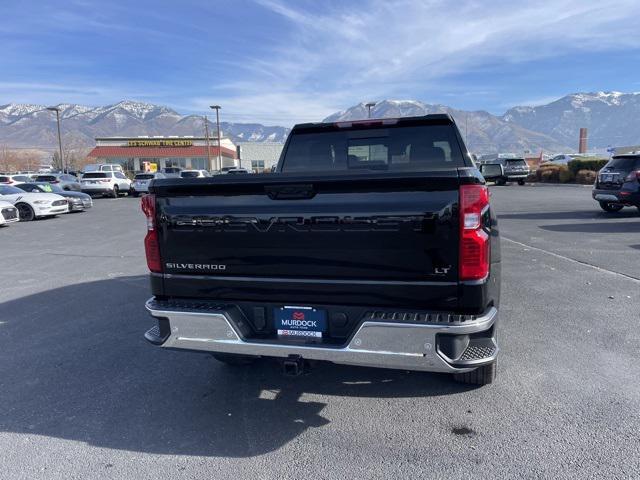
x,y
408,346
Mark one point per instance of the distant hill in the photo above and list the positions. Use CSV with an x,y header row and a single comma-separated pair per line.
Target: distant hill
x,y
483,132
611,117
23,125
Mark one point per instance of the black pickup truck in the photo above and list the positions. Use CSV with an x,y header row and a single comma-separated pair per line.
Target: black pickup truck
x,y
372,244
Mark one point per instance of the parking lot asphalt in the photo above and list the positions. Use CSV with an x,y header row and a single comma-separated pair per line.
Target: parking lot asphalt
x,y
82,395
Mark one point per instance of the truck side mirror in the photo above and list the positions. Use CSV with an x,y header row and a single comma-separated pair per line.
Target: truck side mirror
x,y
492,171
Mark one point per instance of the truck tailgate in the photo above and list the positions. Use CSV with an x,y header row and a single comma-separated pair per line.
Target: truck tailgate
x,y
381,239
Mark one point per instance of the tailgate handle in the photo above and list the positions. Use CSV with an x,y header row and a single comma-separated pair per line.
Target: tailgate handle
x,y
290,192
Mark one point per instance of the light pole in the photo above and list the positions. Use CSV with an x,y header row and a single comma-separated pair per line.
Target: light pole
x,y
57,110
217,109
369,106
206,132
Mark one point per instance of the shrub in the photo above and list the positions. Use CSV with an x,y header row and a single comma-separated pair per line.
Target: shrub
x,y
565,175
586,163
586,177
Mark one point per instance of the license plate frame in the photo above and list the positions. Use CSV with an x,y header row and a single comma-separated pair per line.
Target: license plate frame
x,y
300,323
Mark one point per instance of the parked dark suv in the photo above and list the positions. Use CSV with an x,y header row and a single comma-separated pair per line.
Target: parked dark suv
x,y
618,183
515,170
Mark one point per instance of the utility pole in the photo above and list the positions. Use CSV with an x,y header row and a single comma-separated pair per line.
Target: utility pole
x,y
217,109
369,106
206,133
57,110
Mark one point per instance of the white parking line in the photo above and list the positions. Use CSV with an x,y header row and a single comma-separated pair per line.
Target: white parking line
x,y
579,262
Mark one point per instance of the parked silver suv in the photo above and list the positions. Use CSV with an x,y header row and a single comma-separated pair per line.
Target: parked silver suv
x,y
141,182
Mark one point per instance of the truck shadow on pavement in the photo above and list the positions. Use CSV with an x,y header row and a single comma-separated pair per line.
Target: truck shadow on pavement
x,y
74,365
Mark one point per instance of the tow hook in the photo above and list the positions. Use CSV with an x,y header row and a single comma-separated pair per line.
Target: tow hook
x,y
294,366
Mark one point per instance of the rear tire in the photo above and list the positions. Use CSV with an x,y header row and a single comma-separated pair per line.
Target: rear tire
x,y
480,376
234,359
610,207
520,182
26,212
501,181
115,192
133,193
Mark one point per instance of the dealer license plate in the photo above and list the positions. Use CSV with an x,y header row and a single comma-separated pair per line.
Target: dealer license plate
x,y
300,322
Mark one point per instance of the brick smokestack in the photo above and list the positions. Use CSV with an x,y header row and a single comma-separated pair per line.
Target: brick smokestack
x,y
582,146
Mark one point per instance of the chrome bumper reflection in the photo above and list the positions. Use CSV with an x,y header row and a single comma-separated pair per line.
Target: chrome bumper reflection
x,y
376,344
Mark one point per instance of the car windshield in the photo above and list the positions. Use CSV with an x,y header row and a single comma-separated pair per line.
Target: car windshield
x,y
189,174
96,175
9,190
45,178
624,163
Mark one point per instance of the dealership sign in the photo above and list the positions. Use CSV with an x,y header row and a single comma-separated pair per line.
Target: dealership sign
x,y
160,143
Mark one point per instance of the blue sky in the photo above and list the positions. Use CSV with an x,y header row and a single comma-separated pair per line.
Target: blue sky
x,y
280,62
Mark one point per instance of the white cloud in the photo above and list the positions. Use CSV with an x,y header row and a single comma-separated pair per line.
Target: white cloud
x,y
334,55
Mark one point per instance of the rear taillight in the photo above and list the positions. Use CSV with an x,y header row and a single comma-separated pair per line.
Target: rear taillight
x,y
474,240
635,175
151,244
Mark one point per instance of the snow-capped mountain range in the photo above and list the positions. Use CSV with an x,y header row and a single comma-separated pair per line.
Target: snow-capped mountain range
x,y
611,118
25,125
483,132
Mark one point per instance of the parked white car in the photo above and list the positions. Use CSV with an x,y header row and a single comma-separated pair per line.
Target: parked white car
x,y
8,213
34,205
194,174
105,183
13,179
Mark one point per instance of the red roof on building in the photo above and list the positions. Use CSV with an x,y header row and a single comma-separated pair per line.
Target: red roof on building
x,y
159,152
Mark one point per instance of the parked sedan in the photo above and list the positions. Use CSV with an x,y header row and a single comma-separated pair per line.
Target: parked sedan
x,y
78,201
34,205
141,182
8,213
66,181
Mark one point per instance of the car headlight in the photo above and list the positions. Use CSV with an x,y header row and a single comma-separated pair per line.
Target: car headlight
x,y
41,202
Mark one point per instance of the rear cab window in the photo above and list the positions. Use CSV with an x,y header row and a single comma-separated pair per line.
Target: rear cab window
x,y
394,146
516,162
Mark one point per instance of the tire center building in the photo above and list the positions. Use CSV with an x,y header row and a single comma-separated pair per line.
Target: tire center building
x,y
137,154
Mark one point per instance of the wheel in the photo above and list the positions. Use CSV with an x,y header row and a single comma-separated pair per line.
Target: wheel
x,y
234,359
480,376
116,191
26,212
501,182
133,193
520,182
610,207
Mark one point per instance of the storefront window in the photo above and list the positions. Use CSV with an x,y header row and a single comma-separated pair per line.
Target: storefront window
x,y
257,165
199,163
